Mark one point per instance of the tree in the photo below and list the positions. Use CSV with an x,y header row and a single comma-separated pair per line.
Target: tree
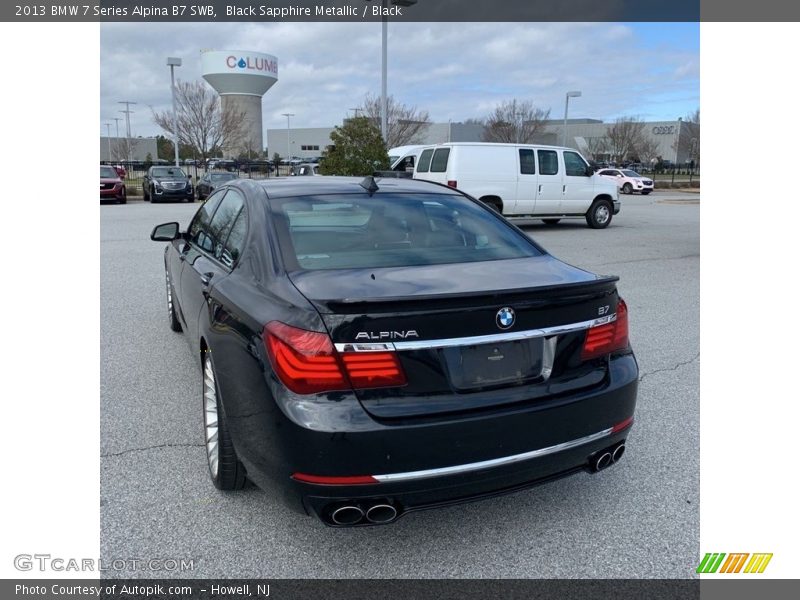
x,y
515,122
358,149
404,123
202,123
627,139
687,144
123,149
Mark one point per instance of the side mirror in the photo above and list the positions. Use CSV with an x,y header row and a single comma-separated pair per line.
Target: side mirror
x,y
166,232
589,171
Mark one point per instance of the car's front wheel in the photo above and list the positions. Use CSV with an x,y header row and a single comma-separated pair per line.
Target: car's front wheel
x,y
227,472
599,215
627,188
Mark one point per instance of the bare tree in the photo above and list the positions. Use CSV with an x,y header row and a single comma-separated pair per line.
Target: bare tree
x,y
515,121
597,147
687,143
404,123
627,139
123,149
202,123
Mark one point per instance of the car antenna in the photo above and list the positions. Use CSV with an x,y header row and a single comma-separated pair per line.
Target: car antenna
x,y
368,183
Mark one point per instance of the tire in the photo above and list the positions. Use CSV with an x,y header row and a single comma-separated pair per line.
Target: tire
x,y
494,204
124,199
172,316
224,467
599,215
627,188
551,221
146,194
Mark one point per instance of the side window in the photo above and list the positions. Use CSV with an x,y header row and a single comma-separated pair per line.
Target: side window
x,y
527,163
223,220
548,162
424,161
198,230
234,245
605,172
574,165
439,162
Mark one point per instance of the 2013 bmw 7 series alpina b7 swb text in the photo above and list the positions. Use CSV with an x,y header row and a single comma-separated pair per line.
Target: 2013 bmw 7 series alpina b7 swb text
x,y
374,347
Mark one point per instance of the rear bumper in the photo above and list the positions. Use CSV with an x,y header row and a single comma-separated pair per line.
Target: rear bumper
x,y
504,449
446,490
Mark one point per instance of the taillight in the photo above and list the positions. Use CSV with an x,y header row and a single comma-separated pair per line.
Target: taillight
x,y
452,183
307,363
373,369
602,339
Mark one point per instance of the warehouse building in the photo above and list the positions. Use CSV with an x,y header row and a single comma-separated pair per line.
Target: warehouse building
x,y
675,141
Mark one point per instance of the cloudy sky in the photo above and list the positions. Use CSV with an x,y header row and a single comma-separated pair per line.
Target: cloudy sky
x,y
453,70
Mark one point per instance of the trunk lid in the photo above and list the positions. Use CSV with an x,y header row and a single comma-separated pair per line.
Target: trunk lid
x,y
459,345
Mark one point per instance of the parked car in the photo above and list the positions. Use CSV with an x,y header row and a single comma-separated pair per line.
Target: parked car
x,y
111,185
209,182
628,181
305,169
167,183
189,162
257,166
371,348
548,182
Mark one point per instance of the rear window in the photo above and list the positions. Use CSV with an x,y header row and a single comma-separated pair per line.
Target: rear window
x,y
391,230
439,161
424,161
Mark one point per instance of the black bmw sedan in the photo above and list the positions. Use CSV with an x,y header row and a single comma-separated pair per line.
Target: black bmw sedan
x,y
374,347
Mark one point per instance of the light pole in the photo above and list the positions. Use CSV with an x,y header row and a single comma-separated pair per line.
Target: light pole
x,y
173,62
116,140
127,113
566,111
385,60
108,139
288,141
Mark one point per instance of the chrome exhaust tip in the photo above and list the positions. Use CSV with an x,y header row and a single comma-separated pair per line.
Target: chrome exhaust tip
x,y
618,452
603,461
347,515
381,513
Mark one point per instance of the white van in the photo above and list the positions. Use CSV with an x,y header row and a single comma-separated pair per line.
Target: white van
x,y
548,182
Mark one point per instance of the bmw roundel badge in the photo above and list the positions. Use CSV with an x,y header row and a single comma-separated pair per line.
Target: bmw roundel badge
x,y
505,317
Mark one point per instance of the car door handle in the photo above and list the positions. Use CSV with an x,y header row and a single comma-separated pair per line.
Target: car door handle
x,y
563,189
205,278
540,188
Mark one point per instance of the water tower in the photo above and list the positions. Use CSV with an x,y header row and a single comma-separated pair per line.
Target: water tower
x,y
241,78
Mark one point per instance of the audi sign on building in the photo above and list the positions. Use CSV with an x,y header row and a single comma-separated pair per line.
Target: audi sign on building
x,y
241,78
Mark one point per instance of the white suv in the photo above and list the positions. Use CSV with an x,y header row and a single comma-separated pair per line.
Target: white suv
x,y
628,181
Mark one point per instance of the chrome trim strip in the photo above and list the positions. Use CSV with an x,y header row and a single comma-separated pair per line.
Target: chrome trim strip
x,y
508,336
495,462
359,347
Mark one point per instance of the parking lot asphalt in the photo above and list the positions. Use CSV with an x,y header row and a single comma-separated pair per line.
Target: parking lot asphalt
x,y
639,518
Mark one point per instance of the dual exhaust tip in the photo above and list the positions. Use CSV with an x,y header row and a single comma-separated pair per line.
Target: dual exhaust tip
x,y
351,514
606,458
